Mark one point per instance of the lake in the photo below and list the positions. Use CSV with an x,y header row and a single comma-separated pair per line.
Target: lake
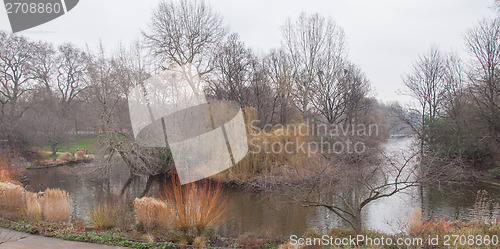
x,y
260,213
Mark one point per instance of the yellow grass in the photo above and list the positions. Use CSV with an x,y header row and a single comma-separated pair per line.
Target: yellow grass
x,y
11,201
151,213
55,205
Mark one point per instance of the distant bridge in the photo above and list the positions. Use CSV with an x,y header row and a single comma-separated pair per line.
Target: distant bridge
x,y
402,135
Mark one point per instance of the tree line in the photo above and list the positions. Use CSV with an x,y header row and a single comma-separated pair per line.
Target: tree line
x,y
458,101
48,93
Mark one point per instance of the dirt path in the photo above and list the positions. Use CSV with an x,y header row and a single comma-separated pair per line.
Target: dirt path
x,y
16,240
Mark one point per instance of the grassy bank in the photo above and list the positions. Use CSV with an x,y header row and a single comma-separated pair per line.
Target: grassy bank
x,y
81,141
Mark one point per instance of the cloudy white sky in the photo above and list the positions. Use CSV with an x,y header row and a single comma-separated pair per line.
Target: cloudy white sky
x,y
384,36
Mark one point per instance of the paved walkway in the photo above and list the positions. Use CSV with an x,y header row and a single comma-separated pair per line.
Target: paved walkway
x,y
16,240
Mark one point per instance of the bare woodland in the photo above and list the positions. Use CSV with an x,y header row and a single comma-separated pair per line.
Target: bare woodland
x,y
50,93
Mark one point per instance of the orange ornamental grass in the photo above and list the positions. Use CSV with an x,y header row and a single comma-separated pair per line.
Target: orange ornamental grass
x,y
7,174
195,206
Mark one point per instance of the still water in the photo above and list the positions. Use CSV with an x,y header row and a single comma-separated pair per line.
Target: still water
x,y
258,212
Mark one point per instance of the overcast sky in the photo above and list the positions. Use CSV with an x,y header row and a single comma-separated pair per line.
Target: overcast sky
x,y
384,36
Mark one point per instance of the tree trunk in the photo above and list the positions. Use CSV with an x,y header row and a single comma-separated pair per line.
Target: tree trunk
x,y
54,154
358,227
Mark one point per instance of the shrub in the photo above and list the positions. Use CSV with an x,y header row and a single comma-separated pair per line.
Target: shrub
x,y
11,201
341,232
311,233
104,216
249,241
66,157
288,245
80,155
151,213
56,205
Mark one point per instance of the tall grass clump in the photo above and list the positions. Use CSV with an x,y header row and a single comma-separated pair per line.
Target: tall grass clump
x,y
56,205
195,207
104,216
11,201
151,213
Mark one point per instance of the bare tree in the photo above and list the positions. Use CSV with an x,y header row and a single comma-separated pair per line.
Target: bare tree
x,y
70,81
16,77
184,34
455,85
426,84
233,71
46,124
346,183
483,43
315,47
339,96
109,79
280,74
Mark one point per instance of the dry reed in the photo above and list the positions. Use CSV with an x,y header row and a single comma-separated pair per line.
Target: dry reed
x,y
56,205
66,157
33,209
151,213
270,149
11,201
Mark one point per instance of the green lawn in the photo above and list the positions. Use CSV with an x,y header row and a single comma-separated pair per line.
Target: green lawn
x,y
82,141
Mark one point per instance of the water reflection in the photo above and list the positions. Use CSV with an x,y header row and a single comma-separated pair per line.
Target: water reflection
x,y
254,212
